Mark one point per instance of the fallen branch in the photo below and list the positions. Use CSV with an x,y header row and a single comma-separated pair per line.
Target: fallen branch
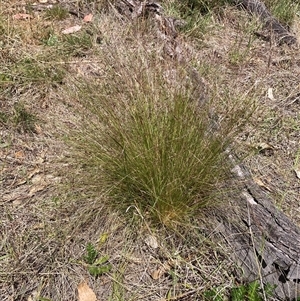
x,y
265,241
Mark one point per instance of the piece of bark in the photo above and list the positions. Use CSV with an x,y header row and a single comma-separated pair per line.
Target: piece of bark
x,y
264,241
257,7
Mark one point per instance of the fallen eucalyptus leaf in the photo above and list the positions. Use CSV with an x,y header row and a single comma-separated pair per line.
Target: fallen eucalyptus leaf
x,y
71,29
88,18
85,293
265,148
260,183
156,274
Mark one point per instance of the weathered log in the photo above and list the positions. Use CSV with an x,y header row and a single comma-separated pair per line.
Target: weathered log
x,y
275,28
265,242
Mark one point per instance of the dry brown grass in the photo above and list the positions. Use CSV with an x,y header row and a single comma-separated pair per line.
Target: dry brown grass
x,y
45,229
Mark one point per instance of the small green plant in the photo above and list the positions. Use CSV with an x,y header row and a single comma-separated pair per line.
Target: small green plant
x,y
252,292
96,266
4,78
248,292
213,295
56,12
51,40
118,291
31,70
241,49
297,159
4,117
77,44
237,55
23,119
91,254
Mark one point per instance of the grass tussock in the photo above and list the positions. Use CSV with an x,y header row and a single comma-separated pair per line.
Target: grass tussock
x,y
147,143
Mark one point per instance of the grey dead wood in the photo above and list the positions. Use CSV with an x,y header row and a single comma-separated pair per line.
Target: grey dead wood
x,y
264,241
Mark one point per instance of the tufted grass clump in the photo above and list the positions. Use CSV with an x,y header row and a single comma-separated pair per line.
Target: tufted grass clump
x,y
160,159
148,145
164,162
